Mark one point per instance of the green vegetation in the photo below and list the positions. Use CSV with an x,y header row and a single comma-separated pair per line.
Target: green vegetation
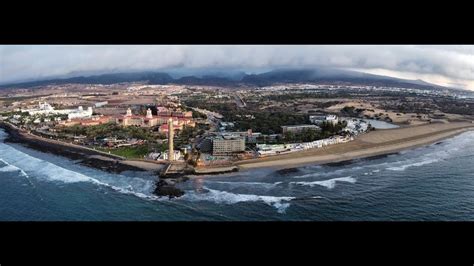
x,y
13,113
308,135
189,133
129,152
332,128
135,152
198,115
265,121
112,130
351,111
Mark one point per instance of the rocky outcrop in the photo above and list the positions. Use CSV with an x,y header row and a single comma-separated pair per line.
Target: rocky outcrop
x,y
167,187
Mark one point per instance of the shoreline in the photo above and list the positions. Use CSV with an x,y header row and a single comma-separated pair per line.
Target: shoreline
x,y
84,155
375,143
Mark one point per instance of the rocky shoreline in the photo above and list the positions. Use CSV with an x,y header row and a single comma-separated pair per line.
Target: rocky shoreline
x,y
82,156
164,186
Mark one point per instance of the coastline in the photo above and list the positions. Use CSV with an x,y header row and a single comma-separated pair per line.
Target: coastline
x,y
85,156
375,143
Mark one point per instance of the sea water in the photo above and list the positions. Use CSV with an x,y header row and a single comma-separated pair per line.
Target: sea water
x,y
435,182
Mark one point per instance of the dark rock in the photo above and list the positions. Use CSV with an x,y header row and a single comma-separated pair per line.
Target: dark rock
x,y
109,166
78,155
163,188
287,171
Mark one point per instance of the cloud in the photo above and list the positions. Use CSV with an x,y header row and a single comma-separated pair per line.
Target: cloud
x,y
452,64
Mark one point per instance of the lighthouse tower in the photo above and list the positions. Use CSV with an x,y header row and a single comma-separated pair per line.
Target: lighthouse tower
x,y
129,112
170,140
148,114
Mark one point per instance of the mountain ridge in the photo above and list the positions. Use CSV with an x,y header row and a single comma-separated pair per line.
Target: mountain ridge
x,y
238,79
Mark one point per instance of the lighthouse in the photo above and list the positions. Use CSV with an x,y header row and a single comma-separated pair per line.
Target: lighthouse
x,y
170,140
148,114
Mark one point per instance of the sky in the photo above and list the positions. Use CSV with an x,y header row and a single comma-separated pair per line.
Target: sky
x,y
450,65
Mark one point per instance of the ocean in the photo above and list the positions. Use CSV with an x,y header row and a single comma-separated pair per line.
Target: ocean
x,y
434,183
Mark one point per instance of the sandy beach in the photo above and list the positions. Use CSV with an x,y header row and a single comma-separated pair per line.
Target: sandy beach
x,y
379,142
374,143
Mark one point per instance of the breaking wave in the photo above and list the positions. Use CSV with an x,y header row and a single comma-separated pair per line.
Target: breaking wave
x,y
411,158
330,184
11,168
246,184
224,197
328,173
44,170
403,167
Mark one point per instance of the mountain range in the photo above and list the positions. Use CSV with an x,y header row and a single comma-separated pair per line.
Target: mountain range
x,y
237,78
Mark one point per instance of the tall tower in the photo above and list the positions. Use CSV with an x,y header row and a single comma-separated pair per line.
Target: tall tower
x,y
148,114
129,112
170,140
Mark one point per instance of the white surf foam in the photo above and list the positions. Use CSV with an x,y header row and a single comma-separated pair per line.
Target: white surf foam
x,y
9,168
330,184
403,167
224,197
316,174
323,173
245,184
16,160
450,148
12,168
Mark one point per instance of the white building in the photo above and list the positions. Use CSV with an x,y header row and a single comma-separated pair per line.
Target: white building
x,y
266,149
332,119
45,108
299,128
80,113
224,145
317,119
177,156
100,104
356,126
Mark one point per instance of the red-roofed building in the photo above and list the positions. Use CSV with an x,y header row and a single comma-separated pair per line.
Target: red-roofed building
x,y
137,120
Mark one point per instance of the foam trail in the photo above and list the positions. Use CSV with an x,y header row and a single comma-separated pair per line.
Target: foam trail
x,y
51,172
330,184
9,168
12,168
330,173
403,167
224,197
246,184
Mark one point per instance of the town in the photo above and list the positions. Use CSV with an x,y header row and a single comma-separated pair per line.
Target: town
x,y
207,127
136,122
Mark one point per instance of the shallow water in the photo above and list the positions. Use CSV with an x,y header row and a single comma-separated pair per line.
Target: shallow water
x,y
378,124
430,183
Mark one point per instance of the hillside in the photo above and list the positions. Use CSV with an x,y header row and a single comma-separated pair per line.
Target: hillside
x,y
315,75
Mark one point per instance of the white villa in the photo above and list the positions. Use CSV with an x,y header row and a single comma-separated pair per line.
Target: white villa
x,y
45,108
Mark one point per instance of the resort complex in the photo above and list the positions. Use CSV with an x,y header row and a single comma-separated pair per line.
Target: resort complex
x,y
197,127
